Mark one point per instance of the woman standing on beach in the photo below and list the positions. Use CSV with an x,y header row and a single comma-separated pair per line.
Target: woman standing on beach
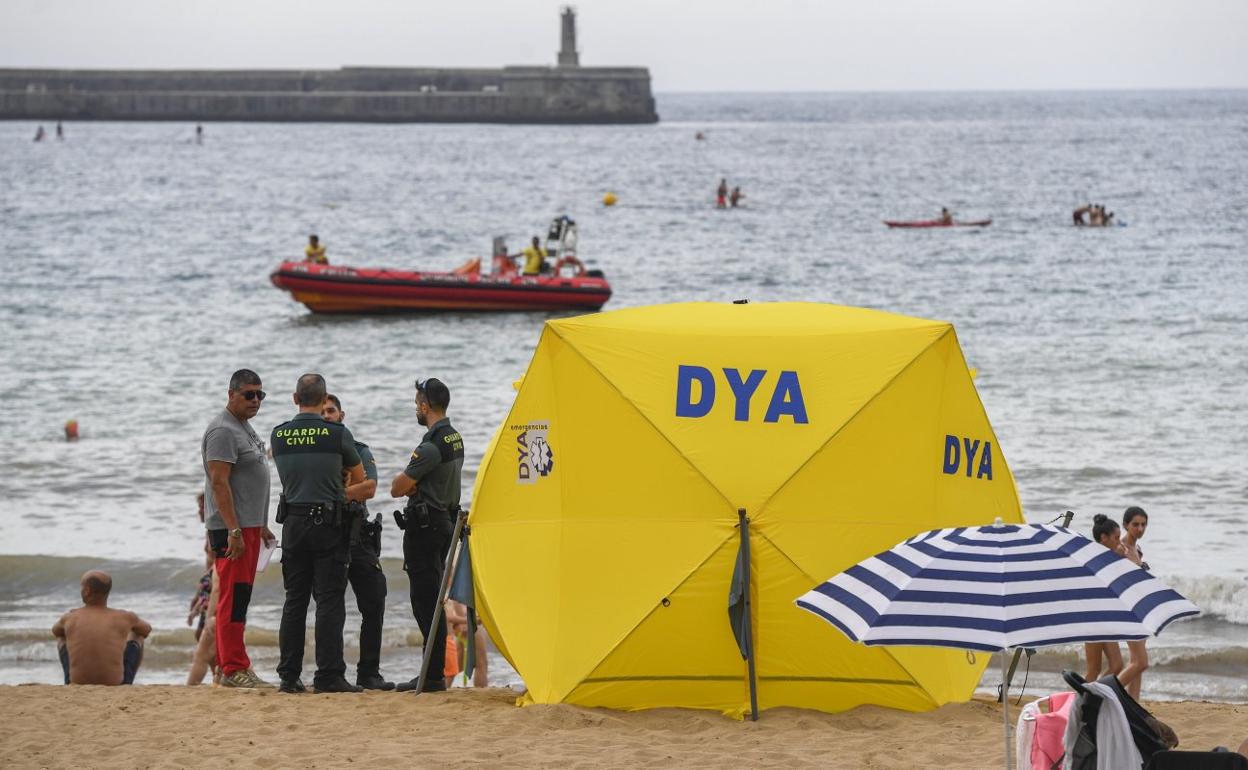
x,y
1106,532
1134,521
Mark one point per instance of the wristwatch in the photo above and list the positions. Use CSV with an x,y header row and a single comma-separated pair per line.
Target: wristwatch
x,y
236,532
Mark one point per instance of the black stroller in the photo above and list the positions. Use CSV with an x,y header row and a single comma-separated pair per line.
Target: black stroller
x,y
1146,732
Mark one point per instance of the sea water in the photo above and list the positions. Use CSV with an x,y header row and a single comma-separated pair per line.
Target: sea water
x,y
1112,362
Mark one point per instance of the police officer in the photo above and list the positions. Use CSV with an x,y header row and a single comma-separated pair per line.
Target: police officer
x,y
312,455
431,485
365,575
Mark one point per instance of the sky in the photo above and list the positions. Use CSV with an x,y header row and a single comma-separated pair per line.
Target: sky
x,y
689,45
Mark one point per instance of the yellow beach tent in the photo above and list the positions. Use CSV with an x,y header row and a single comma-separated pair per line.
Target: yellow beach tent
x,y
604,525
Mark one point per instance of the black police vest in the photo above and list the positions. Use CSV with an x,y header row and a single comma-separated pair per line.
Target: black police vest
x,y
308,455
447,440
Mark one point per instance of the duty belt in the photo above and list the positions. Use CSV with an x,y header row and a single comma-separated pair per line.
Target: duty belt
x,y
318,512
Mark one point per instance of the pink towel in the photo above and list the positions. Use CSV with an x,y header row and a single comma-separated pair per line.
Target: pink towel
x,y
1046,746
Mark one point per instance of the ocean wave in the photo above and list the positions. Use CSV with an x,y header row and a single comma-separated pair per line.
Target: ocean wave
x,y
1183,660
174,648
1221,597
25,576
37,575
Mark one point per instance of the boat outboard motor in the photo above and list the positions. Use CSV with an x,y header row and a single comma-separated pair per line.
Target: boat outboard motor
x,y
561,238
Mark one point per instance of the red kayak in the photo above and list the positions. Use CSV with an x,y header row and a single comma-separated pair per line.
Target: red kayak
x,y
938,223
340,289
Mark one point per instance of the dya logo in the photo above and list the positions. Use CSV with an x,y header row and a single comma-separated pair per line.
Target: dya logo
x,y
534,456
786,395
954,455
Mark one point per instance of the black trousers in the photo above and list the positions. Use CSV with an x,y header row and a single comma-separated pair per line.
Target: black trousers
x,y
368,583
315,558
424,554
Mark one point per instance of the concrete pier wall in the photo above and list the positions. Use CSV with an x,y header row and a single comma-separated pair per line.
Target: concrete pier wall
x,y
350,94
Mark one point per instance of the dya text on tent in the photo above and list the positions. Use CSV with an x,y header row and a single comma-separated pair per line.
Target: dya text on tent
x,y
786,397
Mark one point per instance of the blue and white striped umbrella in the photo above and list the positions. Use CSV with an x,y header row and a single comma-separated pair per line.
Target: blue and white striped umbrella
x,y
994,588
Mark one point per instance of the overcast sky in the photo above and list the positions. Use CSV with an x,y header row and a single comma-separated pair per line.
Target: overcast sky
x,y
689,45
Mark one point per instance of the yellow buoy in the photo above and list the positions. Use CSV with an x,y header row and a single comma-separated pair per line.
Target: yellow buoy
x,y
609,199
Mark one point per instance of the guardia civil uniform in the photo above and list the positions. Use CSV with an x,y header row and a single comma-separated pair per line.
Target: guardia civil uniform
x,y
311,454
436,467
368,582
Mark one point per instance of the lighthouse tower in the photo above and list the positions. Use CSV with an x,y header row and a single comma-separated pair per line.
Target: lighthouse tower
x,y
567,39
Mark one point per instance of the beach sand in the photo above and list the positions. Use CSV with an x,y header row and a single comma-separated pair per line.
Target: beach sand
x,y
168,726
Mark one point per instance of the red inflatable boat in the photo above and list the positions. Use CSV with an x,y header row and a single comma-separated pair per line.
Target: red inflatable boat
x,y
339,289
938,223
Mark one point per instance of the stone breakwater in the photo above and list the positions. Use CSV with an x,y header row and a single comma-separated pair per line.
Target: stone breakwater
x,y
350,94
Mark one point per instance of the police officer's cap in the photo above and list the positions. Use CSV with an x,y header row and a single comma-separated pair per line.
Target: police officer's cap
x,y
435,392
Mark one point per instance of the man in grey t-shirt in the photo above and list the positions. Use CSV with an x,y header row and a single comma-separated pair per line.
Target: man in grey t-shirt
x,y
236,497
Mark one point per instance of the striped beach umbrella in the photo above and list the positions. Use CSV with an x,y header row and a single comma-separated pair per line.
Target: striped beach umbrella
x,y
995,588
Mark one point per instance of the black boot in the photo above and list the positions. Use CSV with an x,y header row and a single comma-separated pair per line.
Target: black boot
x,y
335,685
431,685
373,681
292,686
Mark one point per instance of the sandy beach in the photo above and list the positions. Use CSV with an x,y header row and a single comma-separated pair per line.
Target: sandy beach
x,y
164,726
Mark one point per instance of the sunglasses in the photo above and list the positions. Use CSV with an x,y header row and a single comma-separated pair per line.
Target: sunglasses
x,y
253,395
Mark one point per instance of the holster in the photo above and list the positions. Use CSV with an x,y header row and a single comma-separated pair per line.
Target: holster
x,y
355,514
417,513
372,531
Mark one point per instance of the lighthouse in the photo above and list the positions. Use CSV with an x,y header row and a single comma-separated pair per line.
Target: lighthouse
x,y
567,39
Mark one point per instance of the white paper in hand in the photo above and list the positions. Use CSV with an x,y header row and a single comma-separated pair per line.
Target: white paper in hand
x,y
266,553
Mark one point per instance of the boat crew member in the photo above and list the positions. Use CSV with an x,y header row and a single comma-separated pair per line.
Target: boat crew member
x,y
535,258
946,216
431,484
312,455
364,574
315,252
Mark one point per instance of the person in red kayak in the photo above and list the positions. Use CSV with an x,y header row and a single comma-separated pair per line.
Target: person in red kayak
x,y
946,216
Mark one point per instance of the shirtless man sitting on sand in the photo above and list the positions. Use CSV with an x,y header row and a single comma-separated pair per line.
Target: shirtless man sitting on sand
x,y
99,645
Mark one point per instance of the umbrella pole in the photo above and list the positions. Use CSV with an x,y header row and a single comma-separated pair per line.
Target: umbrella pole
x,y
1005,707
443,590
749,612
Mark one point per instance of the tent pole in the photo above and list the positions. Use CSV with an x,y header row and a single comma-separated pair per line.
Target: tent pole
x,y
442,592
749,611
1005,706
